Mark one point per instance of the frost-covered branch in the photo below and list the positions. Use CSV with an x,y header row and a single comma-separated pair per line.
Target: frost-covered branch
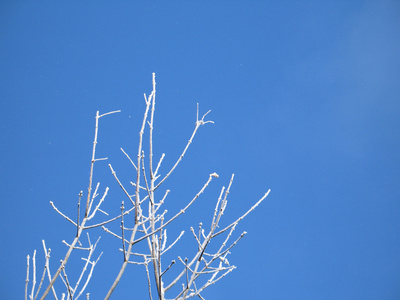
x,y
80,225
149,222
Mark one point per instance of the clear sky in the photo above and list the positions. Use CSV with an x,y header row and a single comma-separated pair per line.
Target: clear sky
x,y
305,100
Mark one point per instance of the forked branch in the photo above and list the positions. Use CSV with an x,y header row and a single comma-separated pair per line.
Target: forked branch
x,y
150,222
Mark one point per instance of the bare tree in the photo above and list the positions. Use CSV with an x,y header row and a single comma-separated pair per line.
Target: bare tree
x,y
149,224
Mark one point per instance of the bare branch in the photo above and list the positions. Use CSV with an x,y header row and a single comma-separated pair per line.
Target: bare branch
x,y
122,228
109,113
92,264
171,264
108,221
33,274
79,209
98,205
129,158
181,211
148,280
27,278
56,209
150,223
159,164
95,194
92,163
41,282
69,289
47,255
198,124
244,215
176,240
120,184
113,234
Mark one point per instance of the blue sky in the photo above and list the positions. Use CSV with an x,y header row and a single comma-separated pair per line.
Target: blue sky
x,y
305,100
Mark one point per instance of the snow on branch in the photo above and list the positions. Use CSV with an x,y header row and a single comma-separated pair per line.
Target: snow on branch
x,y
148,223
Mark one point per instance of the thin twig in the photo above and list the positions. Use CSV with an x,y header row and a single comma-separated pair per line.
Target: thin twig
x,y
82,225
41,282
47,255
95,194
93,264
159,164
244,215
181,211
170,265
176,240
98,205
122,228
79,209
148,280
108,221
69,289
57,210
129,158
198,124
27,277
120,184
33,274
